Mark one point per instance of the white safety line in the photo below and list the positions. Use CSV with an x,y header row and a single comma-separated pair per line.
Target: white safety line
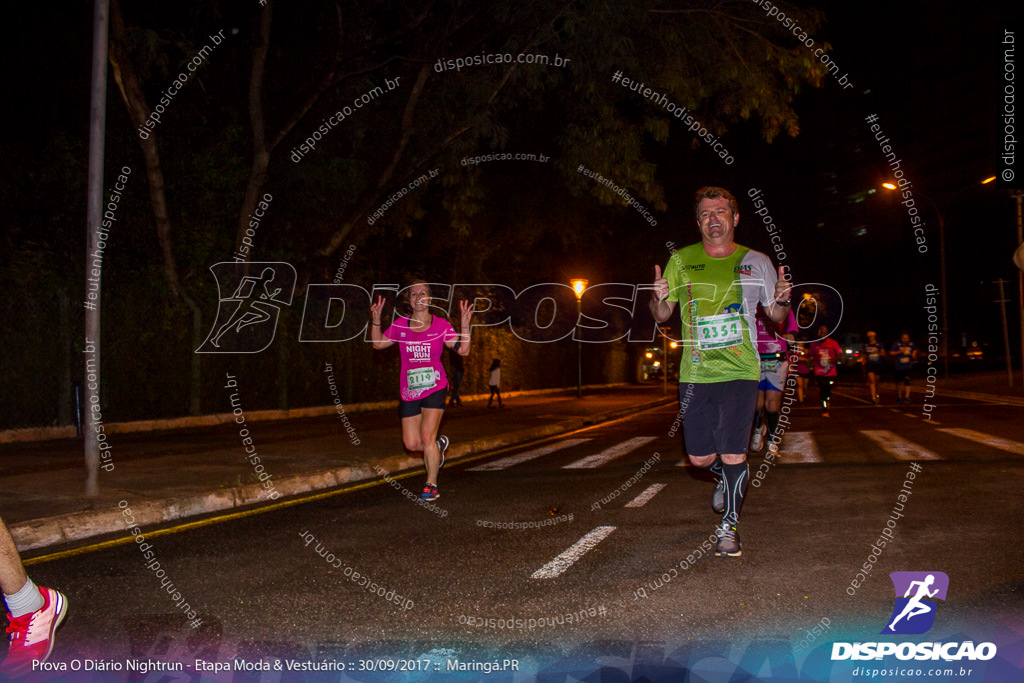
x,y
511,460
610,454
798,447
645,496
898,447
561,563
1015,447
855,398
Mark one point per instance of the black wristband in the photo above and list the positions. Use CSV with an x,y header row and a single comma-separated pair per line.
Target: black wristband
x,y
784,303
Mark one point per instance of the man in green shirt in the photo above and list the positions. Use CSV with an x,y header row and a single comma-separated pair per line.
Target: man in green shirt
x,y
719,284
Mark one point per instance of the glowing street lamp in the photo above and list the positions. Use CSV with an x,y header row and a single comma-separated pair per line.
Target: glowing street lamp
x,y
579,285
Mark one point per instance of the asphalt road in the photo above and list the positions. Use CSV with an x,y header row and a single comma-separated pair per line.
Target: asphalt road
x,y
464,580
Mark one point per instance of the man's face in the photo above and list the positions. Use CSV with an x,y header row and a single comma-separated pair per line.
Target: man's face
x,y
717,221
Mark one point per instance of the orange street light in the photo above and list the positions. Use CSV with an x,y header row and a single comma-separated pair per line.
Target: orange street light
x,y
578,286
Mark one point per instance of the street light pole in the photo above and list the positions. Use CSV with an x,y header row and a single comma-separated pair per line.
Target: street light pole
x,y
945,315
664,363
578,286
1019,195
579,349
1006,330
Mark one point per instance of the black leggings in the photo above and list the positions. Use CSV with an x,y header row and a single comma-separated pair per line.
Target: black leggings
x,y
825,386
494,391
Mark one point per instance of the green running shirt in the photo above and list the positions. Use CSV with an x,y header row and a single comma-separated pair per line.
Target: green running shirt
x,y
717,300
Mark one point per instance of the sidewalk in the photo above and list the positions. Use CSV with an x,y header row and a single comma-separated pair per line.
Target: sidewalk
x,y
172,475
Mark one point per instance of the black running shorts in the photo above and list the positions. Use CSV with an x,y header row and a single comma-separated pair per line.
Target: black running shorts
x,y
432,400
717,417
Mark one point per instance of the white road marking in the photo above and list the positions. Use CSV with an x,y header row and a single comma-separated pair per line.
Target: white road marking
x,y
562,563
645,496
609,454
1015,447
855,398
511,460
898,447
798,447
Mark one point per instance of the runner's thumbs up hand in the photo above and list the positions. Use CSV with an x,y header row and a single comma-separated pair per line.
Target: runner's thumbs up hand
x,y
782,287
660,285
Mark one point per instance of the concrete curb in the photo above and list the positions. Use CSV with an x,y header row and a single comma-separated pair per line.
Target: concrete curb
x,y
79,526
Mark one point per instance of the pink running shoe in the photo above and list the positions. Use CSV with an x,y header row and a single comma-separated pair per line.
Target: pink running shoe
x,y
32,634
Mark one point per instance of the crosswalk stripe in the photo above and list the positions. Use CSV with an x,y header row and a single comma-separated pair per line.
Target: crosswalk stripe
x,y
798,447
801,447
645,496
855,398
987,439
898,447
578,549
610,454
511,460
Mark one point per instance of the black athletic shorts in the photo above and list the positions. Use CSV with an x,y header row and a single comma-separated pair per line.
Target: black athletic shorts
x,y
432,400
901,376
717,417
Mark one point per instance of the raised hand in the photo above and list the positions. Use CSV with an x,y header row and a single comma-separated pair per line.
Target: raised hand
x,y
660,285
376,310
466,309
783,287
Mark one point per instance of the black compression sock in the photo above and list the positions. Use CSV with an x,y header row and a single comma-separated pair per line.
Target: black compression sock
x,y
735,488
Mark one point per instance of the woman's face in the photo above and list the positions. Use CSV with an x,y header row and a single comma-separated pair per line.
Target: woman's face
x,y
419,297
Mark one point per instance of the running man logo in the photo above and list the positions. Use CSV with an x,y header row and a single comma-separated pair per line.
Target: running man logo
x,y
914,613
246,320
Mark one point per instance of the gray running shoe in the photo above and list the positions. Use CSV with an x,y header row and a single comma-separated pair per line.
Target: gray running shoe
x,y
757,441
718,497
442,446
728,541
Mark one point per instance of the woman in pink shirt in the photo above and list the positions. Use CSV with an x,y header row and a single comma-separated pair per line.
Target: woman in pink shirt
x,y
423,386
826,354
